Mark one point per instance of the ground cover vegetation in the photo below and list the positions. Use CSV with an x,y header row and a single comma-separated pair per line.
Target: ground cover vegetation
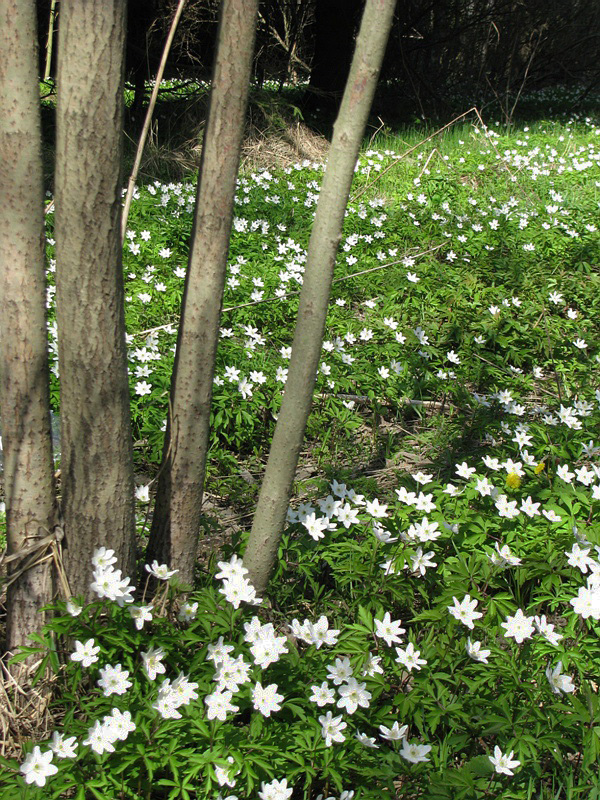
x,y
431,629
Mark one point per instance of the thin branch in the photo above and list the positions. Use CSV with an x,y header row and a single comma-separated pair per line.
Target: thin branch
x,y
148,120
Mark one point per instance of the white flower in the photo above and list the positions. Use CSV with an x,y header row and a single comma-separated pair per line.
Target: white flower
x,y
219,703
119,723
366,741
518,627
160,571
347,515
579,557
152,660
74,608
409,658
219,651
315,526
424,502
103,559
353,694
340,672
484,487
465,611
109,583
266,700
464,470
37,766
506,508
188,612
421,561
231,569
142,388
530,508
275,790
239,590
503,764
395,733
319,633
231,672
372,666
100,738
63,748
375,509
503,557
423,478
224,775
142,494
86,653
141,614
414,752
559,683
389,630
547,630
114,680
587,602
331,728
322,695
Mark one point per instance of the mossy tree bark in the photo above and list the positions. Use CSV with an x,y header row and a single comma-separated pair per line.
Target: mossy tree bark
x,y
24,401
277,484
177,516
97,457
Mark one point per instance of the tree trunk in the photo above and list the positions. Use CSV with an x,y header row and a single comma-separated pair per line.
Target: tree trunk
x,y
176,521
24,400
273,500
97,458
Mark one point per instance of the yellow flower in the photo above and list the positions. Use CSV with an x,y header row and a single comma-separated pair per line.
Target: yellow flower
x,y
539,468
513,480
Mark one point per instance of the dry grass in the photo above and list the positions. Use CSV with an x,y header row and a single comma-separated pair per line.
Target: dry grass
x,y
24,709
270,149
281,148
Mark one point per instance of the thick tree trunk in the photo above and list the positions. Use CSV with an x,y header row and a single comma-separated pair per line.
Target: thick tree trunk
x,y
275,491
97,461
28,468
176,522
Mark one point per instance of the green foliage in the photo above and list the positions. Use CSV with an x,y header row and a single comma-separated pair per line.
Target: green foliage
x,y
470,335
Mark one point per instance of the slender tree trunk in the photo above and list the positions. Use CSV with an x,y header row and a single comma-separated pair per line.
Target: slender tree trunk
x,y
24,400
97,460
50,39
176,522
276,488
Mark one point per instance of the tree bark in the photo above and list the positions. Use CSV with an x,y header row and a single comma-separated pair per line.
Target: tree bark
x,y
97,456
24,399
176,522
276,487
